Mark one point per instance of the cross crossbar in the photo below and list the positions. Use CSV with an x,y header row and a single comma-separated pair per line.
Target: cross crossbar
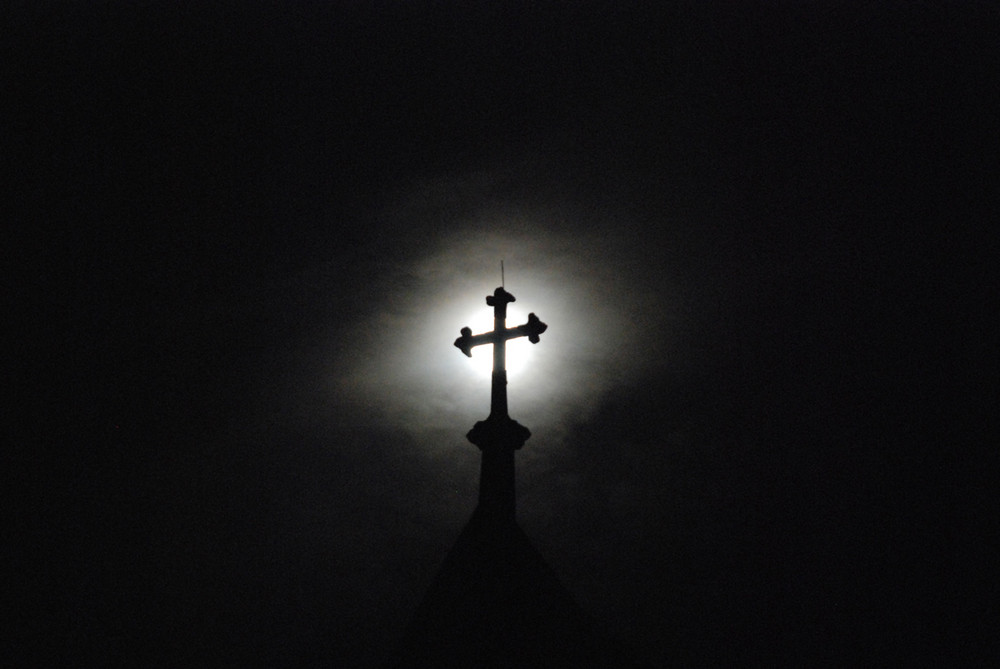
x,y
532,329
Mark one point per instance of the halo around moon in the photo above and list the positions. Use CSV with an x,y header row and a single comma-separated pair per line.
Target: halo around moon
x,y
596,321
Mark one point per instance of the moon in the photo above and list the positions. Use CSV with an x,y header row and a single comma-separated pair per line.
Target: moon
x,y
519,350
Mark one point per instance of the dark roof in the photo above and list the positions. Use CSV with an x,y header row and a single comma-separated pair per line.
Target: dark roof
x,y
496,603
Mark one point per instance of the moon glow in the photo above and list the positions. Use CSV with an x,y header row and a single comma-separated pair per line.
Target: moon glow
x,y
519,350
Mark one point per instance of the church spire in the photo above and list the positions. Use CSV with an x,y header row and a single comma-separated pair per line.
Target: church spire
x,y
498,436
495,602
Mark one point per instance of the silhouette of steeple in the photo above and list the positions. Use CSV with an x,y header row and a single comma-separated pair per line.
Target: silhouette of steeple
x,y
499,436
495,602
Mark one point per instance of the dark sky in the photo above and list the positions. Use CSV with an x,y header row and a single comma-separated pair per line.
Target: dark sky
x,y
242,237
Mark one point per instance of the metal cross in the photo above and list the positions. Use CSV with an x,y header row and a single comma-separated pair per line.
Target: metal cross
x,y
498,337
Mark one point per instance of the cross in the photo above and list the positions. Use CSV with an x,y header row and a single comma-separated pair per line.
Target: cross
x,y
498,337
498,436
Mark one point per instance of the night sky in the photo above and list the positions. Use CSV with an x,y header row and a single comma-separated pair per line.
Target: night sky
x,y
242,237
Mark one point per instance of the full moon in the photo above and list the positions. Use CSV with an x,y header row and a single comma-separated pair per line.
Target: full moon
x,y
519,350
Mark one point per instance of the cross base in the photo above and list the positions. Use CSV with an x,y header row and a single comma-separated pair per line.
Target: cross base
x,y
498,433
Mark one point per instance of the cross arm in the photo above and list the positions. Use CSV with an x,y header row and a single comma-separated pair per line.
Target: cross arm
x,y
467,341
532,329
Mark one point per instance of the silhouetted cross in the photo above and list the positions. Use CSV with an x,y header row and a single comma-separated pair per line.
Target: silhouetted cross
x,y
498,337
498,436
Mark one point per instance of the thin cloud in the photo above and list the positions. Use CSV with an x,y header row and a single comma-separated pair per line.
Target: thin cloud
x,y
608,308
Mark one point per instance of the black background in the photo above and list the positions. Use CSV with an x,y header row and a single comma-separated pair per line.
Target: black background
x,y
168,165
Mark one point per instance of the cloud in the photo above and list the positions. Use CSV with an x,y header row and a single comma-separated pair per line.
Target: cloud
x,y
362,342
591,275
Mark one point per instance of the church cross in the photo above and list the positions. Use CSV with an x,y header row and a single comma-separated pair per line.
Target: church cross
x,y
498,436
498,337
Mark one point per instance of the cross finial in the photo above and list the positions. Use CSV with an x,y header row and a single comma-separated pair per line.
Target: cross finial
x,y
498,337
499,436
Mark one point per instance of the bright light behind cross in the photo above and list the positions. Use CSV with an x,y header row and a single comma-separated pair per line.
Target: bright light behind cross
x,y
424,383
519,350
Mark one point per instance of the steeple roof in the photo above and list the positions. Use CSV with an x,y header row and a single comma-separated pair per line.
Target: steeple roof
x,y
496,603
